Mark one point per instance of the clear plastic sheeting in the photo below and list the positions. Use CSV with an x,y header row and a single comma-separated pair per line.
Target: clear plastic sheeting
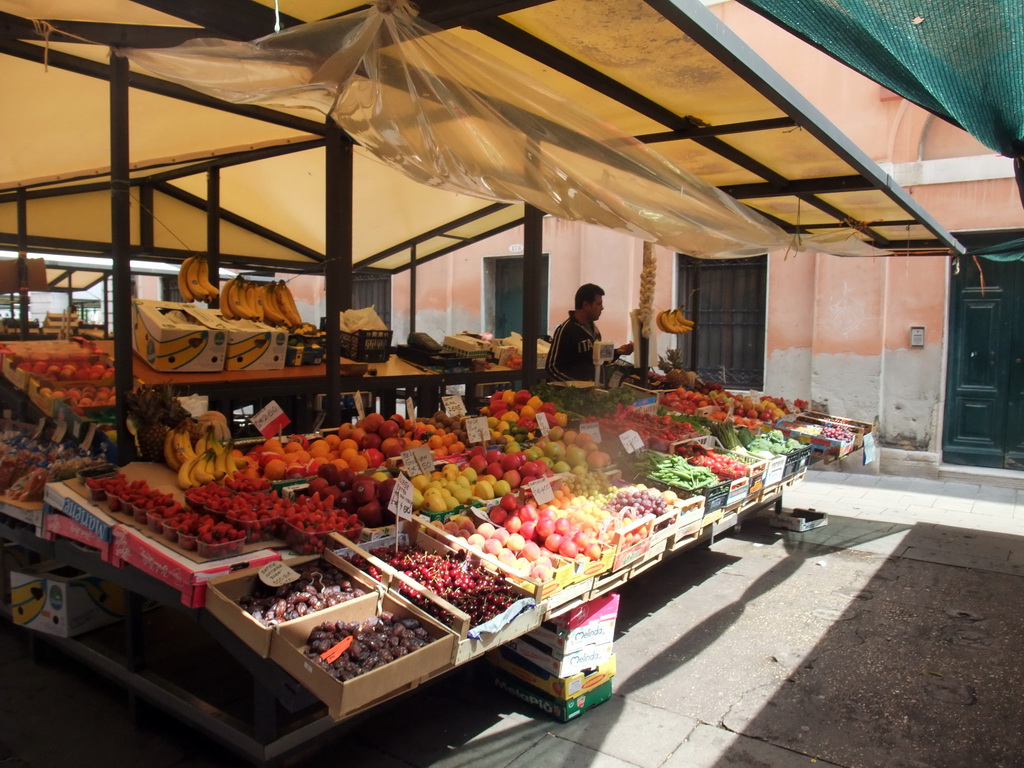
x,y
446,114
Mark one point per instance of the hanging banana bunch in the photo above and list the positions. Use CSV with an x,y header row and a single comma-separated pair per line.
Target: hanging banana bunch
x,y
193,281
673,321
648,276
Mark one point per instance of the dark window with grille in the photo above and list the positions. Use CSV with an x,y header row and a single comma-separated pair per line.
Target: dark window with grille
x,y
169,288
373,288
726,298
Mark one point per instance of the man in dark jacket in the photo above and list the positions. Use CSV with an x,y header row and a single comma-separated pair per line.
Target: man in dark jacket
x,y
571,357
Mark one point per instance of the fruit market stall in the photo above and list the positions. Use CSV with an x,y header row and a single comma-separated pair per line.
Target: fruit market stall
x,y
342,568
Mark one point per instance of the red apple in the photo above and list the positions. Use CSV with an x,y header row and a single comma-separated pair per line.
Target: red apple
x,y
511,461
496,470
364,489
568,549
509,502
498,515
513,478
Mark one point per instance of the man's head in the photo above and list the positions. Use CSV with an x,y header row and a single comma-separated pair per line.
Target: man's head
x,y
590,302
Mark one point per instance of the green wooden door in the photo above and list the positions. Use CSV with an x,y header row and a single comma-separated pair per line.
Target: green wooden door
x,y
984,420
508,295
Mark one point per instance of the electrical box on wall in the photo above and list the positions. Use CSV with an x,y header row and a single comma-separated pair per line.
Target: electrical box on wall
x,y
917,336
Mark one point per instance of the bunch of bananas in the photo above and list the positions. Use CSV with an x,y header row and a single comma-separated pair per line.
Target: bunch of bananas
x,y
193,282
673,321
209,460
270,303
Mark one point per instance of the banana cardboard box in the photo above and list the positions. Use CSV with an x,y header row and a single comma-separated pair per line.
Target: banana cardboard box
x,y
252,345
59,600
171,336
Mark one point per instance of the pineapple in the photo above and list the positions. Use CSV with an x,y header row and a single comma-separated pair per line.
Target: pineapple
x,y
671,366
153,410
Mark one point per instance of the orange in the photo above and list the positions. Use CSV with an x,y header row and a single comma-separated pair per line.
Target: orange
x,y
457,448
435,441
569,437
332,440
345,430
303,456
293,448
348,443
348,453
358,433
275,469
273,445
340,463
319,448
357,463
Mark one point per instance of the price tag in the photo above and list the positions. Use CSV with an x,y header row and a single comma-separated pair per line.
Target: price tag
x,y
631,441
542,423
870,451
418,461
270,420
331,654
477,429
90,435
541,490
401,498
591,428
453,405
360,406
410,409
646,405
277,574
59,432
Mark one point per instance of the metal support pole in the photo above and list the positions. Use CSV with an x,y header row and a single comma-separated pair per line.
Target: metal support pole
x,y
213,229
338,255
533,249
120,241
146,237
22,264
412,289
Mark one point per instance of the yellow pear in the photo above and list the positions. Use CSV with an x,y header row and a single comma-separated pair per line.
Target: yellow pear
x,y
469,474
380,477
483,490
417,499
420,482
463,495
436,503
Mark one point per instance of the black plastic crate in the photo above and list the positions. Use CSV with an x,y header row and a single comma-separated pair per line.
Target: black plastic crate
x,y
796,461
366,346
715,497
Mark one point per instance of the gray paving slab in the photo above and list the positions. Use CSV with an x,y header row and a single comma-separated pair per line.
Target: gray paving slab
x,y
554,752
629,730
711,747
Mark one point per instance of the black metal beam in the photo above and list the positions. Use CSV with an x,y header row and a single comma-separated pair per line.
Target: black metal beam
x,y
728,129
81,66
533,251
240,221
213,230
456,246
446,14
22,242
338,200
237,19
819,186
120,251
240,157
119,35
435,232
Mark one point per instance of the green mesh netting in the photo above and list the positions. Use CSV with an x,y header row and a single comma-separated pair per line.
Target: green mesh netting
x,y
1009,251
960,59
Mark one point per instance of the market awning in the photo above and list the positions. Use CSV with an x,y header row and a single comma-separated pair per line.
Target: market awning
x,y
667,73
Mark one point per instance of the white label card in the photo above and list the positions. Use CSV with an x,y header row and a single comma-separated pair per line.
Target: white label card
x,y
60,431
541,490
453,405
277,574
870,452
410,409
631,441
477,429
591,428
542,424
360,405
401,498
90,435
418,461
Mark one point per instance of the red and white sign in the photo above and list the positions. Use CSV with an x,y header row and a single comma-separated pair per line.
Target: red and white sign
x,y
270,420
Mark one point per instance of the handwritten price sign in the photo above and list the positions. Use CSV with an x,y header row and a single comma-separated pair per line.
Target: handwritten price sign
x,y
401,498
541,490
453,405
418,461
270,420
477,429
631,441
542,424
591,428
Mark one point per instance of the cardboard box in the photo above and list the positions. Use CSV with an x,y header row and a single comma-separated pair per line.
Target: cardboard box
x,y
30,512
798,520
224,592
587,657
252,346
558,687
168,341
561,710
567,641
63,499
58,525
377,685
130,547
59,600
598,609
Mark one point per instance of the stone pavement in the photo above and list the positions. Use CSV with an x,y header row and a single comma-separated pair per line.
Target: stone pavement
x,y
889,638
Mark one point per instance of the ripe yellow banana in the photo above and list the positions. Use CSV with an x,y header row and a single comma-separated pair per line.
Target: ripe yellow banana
x,y
272,314
220,462
195,286
183,443
659,320
252,298
203,276
225,300
172,458
185,480
202,469
242,295
183,287
287,302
